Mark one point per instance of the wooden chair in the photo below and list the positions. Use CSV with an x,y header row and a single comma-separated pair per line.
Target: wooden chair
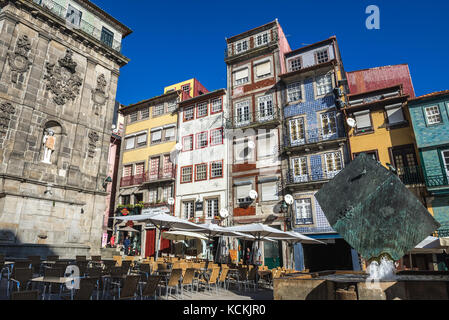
x,y
173,282
22,264
96,258
53,273
129,290
224,277
126,265
118,259
212,280
144,269
150,288
25,295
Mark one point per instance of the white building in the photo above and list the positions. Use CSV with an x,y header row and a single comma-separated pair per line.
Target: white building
x,y
201,184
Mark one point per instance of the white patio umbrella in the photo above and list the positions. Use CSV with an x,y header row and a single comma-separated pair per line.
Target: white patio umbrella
x,y
160,221
296,237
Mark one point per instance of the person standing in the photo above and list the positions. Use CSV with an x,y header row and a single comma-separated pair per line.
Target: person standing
x,y
126,244
112,241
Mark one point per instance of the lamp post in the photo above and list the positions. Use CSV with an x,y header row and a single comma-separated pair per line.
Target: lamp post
x,y
286,208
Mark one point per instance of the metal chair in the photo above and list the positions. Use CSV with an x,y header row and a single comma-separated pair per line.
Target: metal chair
x,y
52,258
187,280
224,277
212,280
129,290
21,277
173,282
150,288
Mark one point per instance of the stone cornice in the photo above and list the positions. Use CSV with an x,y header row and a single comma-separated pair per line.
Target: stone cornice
x,y
43,183
32,196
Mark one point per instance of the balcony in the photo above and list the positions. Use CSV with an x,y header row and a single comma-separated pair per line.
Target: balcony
x,y
441,233
411,175
317,137
309,179
84,26
437,181
267,118
147,177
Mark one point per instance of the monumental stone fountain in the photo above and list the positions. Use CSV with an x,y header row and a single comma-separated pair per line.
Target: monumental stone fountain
x,y
382,220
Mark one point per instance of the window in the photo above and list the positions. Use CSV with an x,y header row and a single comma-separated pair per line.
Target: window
x,y
216,169
266,111
140,169
329,124
186,174
242,113
212,208
267,145
156,135
126,199
201,140
216,105
189,209
241,46
263,69
152,195
303,211
186,88
171,106
141,140
262,39
394,114
216,136
189,113
297,131
270,191
74,16
158,110
154,168
133,117
127,170
242,151
445,156
145,113
166,193
129,143
322,56
187,143
323,84
201,172
299,170
167,167
433,115
169,133
363,121
107,37
371,154
333,164
201,110
243,194
241,76
295,64
294,92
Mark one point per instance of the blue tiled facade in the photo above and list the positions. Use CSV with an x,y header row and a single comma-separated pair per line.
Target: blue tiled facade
x,y
433,141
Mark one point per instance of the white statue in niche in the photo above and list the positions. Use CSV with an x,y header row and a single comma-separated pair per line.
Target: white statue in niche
x,y
49,142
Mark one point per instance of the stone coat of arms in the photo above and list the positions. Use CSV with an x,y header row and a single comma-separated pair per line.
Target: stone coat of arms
x,y
19,61
62,79
99,95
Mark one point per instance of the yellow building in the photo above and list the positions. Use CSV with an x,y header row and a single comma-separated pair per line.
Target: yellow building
x,y
190,88
380,126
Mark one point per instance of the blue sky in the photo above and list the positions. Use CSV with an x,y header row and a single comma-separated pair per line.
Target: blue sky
x,y
178,40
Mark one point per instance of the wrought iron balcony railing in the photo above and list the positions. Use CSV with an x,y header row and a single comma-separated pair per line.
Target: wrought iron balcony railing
x,y
252,44
314,136
253,119
61,12
437,181
441,233
295,178
147,177
411,175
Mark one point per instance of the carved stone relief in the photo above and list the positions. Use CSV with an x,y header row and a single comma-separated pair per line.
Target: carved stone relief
x,y
6,111
62,79
99,94
19,61
93,139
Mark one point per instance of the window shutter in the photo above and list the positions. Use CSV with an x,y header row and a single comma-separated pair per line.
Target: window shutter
x,y
170,132
363,119
263,69
269,191
157,135
395,114
127,171
130,143
241,74
139,168
243,191
142,139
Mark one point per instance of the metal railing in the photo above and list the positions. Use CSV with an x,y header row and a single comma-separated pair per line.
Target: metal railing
x,y
314,136
437,181
231,51
86,27
146,177
411,175
293,178
441,233
260,117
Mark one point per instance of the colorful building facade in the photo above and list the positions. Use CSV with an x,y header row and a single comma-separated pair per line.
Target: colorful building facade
x,y
314,148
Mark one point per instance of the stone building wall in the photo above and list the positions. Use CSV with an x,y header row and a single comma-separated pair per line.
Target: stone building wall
x,y
50,78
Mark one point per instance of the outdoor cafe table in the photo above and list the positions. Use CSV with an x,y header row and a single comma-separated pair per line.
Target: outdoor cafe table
x,y
50,281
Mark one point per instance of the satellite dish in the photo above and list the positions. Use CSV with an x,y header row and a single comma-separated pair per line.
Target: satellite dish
x,y
253,194
171,201
224,213
289,199
351,122
178,146
251,145
114,127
